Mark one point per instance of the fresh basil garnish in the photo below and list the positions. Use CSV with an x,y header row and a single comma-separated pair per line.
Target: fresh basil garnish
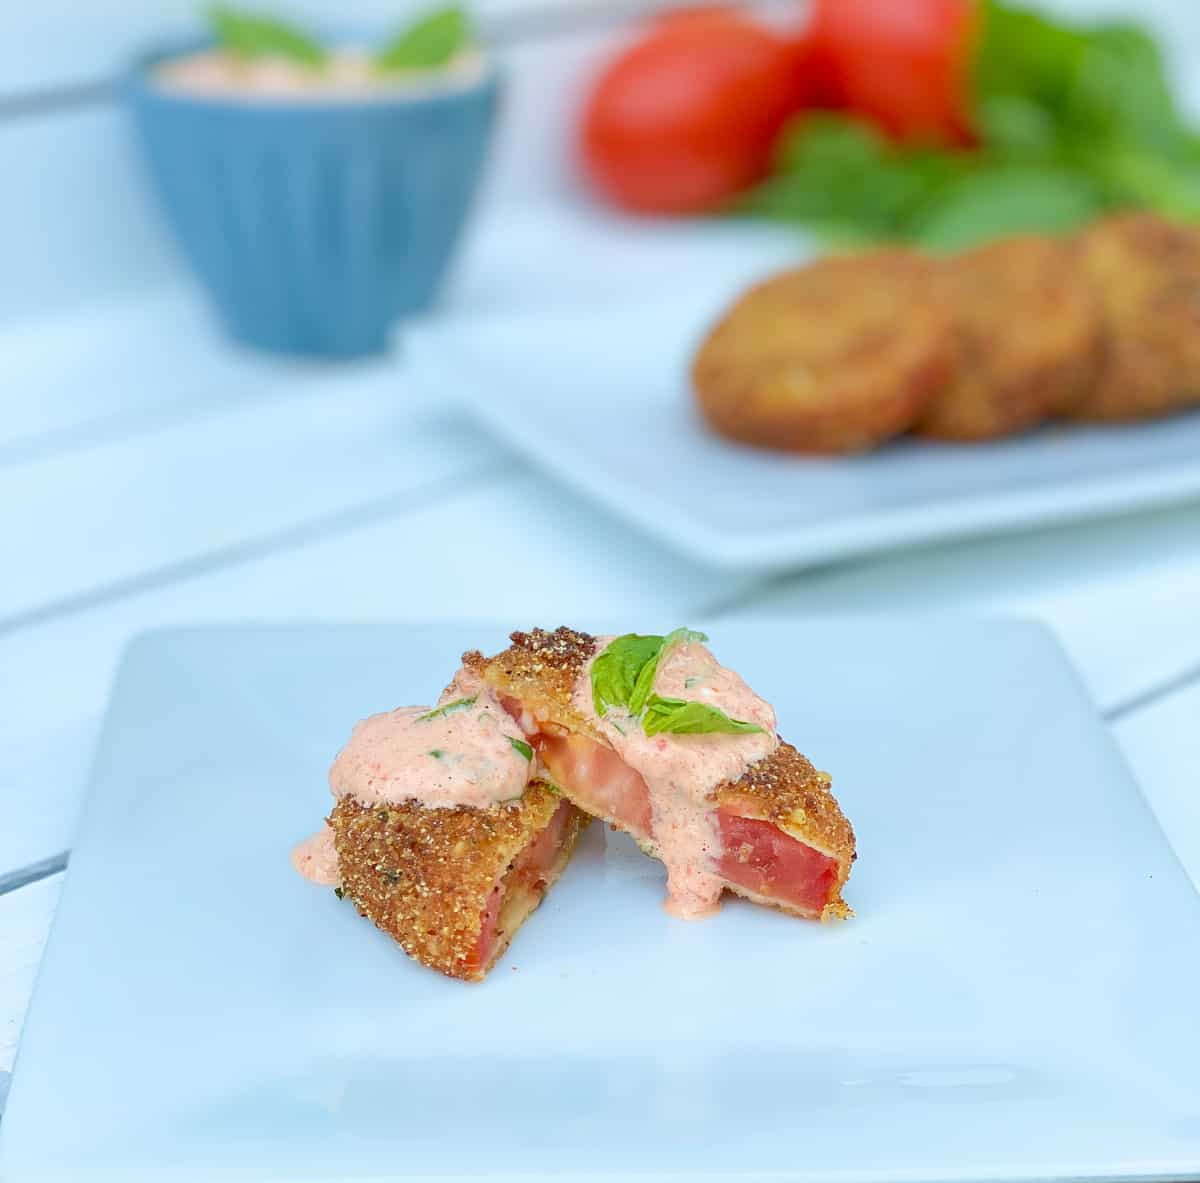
x,y
428,43
643,687
623,675
250,36
459,704
521,746
615,672
678,716
436,753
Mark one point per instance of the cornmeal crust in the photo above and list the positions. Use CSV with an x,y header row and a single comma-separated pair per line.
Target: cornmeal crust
x,y
837,356
1146,273
425,876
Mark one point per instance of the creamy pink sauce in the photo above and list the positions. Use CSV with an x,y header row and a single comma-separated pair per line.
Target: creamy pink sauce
x,y
465,684
681,770
346,74
316,858
461,756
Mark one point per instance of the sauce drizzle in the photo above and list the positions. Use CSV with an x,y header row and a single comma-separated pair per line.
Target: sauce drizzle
x,y
466,751
681,770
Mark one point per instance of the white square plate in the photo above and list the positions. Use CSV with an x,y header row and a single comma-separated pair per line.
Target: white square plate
x,y
1016,999
600,398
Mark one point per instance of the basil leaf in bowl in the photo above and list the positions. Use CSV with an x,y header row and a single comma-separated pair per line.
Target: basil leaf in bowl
x,y
249,36
428,43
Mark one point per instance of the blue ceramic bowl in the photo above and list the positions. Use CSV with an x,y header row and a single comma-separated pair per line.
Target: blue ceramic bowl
x,y
315,223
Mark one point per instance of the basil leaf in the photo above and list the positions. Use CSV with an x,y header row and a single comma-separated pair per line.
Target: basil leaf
x,y
436,753
840,174
259,36
523,748
1027,54
1015,200
459,704
678,716
643,686
1071,120
615,672
1122,86
623,675
430,42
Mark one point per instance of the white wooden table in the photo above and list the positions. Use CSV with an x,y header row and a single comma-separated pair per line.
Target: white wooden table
x,y
150,476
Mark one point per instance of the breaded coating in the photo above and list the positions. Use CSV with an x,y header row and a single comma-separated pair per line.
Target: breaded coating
x,y
788,791
1027,338
425,876
838,356
538,672
1146,274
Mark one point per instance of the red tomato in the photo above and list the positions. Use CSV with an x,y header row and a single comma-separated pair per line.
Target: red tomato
x,y
489,931
614,789
685,118
903,63
769,862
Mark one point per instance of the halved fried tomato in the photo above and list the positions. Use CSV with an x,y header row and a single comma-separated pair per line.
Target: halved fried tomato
x,y
773,865
755,855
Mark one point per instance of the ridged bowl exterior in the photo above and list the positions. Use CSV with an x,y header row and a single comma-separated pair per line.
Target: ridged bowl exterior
x,y
315,224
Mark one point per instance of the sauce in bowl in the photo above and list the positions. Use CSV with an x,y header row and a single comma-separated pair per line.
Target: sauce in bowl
x,y
348,74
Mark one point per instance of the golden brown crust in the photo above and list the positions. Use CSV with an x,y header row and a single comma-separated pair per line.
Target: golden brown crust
x,y
836,909
786,790
1146,274
837,356
1027,338
539,672
424,876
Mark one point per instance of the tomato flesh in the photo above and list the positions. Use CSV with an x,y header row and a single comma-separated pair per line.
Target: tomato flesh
x,y
754,854
763,859
599,779
489,929
536,860
533,865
